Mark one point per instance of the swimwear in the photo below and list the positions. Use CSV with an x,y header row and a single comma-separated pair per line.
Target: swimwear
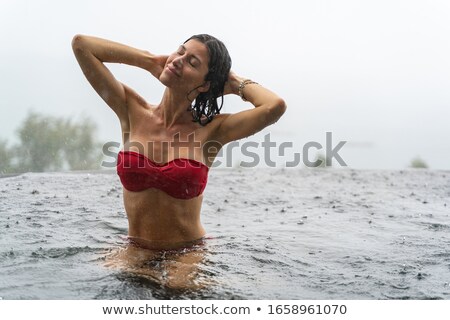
x,y
180,178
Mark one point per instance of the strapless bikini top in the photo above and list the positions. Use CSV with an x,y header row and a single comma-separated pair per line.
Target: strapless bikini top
x,y
180,178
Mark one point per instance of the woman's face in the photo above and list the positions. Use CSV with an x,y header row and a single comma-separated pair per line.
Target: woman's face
x,y
187,67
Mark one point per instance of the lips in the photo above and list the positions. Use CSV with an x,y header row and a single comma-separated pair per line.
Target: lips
x,y
173,70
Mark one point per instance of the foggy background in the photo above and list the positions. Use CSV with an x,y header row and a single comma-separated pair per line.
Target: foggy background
x,y
374,73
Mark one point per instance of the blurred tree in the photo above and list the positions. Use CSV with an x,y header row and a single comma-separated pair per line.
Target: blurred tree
x,y
81,151
6,157
40,144
320,161
50,143
417,162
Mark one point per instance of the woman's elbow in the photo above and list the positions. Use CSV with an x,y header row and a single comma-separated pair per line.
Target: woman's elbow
x,y
278,109
78,42
281,105
275,110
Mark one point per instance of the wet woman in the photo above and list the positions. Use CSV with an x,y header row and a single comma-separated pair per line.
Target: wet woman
x,y
170,146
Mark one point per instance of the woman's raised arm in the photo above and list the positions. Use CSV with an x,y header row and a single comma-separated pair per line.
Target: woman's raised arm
x,y
269,107
92,53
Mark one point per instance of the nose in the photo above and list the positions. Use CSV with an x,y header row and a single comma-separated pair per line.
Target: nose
x,y
178,62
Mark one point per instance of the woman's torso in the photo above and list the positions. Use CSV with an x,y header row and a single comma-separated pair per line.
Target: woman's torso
x,y
154,216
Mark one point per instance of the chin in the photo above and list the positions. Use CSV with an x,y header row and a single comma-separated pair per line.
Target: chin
x,y
165,79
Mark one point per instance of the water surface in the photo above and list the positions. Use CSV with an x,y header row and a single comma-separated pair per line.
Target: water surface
x,y
277,234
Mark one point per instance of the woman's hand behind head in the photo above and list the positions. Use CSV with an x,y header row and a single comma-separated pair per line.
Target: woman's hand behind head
x,y
157,65
232,84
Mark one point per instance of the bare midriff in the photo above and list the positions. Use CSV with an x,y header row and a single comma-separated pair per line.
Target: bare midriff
x,y
159,221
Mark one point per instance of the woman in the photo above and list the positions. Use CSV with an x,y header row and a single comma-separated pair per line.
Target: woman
x,y
165,161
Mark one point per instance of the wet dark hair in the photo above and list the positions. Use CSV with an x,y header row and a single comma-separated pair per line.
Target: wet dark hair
x,y
205,106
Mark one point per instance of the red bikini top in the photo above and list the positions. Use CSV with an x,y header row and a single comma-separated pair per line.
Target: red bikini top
x,y
180,178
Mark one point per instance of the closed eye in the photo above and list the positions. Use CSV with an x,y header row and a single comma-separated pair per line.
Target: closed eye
x,y
194,61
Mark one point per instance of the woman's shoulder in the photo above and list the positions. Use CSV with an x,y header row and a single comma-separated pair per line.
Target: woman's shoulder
x,y
218,118
209,131
134,99
221,116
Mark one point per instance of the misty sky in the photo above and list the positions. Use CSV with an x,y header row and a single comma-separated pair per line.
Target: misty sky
x,y
374,73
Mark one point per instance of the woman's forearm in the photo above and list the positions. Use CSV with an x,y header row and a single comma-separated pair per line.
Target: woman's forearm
x,y
254,93
114,52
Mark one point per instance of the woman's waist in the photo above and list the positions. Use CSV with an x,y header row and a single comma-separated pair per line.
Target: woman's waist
x,y
165,244
165,226
162,221
159,220
166,230
153,199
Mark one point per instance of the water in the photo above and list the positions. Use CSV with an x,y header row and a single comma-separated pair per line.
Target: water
x,y
277,234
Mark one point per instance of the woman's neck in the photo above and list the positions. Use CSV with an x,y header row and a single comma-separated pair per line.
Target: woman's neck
x,y
173,108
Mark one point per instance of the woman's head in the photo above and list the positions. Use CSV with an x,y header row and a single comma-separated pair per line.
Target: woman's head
x,y
205,105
